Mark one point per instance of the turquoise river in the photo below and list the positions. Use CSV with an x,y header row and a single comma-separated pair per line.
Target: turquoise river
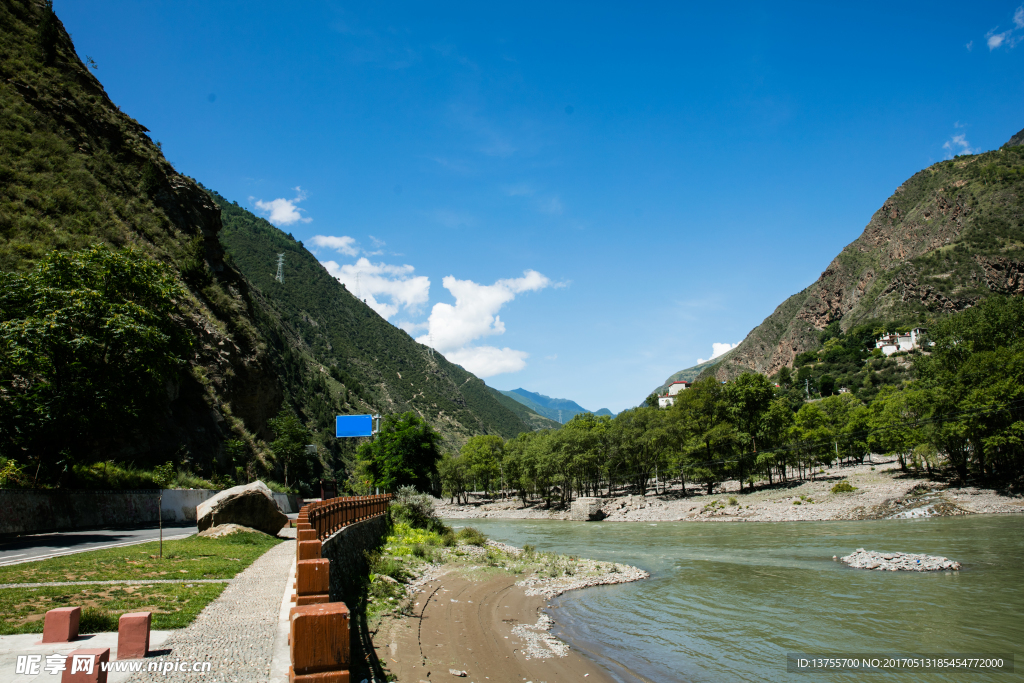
x,y
728,601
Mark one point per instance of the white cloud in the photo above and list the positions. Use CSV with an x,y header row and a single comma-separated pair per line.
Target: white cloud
x,y
996,39
970,44
487,361
451,329
1018,17
284,211
957,144
372,280
717,349
342,244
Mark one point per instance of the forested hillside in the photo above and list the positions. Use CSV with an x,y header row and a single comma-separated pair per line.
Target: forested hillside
x,y
111,259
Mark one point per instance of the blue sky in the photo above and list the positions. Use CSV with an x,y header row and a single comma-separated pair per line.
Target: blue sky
x,y
579,199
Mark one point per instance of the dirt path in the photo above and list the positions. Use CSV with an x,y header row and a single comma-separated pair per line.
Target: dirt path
x,y
488,628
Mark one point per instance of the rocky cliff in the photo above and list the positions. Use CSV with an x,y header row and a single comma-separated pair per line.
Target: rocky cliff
x,y
949,236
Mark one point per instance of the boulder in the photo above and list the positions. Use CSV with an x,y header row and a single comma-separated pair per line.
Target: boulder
x,y
586,510
252,505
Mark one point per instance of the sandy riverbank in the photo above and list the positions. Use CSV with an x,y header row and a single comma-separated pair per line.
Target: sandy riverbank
x,y
481,612
882,491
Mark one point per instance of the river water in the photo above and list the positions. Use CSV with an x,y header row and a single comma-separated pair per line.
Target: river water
x,y
728,601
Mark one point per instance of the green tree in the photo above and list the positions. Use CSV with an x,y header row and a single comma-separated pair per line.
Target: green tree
x,y
483,455
88,343
289,444
701,414
404,453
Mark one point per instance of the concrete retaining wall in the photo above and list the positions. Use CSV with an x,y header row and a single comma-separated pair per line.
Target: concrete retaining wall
x,y
346,551
30,511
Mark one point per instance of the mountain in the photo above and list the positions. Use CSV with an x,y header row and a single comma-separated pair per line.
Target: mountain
x,y
75,171
525,413
561,410
948,237
335,345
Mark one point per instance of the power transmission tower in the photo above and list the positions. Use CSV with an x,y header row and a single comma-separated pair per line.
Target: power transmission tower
x,y
280,269
430,344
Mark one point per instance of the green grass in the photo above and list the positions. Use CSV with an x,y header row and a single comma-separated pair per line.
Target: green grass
x,y
190,558
173,605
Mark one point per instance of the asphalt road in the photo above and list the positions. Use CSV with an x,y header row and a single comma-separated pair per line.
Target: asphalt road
x,y
43,546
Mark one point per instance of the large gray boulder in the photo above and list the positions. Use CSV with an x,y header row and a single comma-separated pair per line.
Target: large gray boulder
x,y
252,505
586,510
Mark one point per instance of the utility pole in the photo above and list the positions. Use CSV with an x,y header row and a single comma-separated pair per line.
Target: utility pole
x,y
280,269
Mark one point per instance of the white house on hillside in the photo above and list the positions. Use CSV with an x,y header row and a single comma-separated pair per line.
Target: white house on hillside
x,y
891,343
670,396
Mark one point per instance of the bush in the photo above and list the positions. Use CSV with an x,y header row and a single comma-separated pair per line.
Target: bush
x,y
471,536
416,510
844,487
386,565
733,501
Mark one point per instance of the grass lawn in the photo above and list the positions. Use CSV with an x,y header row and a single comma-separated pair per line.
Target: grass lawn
x,y
172,605
189,558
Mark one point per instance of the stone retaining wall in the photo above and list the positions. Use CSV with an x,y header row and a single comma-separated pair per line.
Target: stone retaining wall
x,y
29,511
346,550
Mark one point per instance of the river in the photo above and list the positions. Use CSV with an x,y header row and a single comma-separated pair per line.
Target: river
x,y
728,601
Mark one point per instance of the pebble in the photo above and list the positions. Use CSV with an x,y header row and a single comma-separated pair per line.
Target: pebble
x,y
894,562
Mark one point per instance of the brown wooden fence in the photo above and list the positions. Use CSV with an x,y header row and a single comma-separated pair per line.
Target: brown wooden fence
x,y
327,516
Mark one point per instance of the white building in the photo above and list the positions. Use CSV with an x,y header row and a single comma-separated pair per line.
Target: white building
x,y
670,396
891,343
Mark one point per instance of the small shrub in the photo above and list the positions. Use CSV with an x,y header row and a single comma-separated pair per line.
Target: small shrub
x,y
448,539
416,510
796,502
387,566
733,501
844,487
529,550
471,536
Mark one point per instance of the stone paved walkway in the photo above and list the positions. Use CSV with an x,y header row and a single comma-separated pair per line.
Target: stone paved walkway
x,y
235,633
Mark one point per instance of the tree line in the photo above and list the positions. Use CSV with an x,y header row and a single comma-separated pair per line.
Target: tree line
x,y
961,416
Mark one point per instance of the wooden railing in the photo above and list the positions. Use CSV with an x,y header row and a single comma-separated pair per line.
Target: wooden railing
x,y
327,516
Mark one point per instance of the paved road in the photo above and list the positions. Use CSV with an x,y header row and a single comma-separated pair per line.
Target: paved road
x,y
42,546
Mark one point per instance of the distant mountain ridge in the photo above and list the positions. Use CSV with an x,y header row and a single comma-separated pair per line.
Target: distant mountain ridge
x,y
950,236
558,409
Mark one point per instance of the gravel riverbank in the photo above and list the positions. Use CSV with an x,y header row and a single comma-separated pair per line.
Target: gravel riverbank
x,y
882,491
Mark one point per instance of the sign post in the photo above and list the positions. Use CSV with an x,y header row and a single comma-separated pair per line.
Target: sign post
x,y
356,425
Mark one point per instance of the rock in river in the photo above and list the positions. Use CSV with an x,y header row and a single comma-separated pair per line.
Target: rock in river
x,y
895,562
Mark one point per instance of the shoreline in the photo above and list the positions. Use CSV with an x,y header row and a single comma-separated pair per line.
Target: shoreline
x,y
882,492
485,612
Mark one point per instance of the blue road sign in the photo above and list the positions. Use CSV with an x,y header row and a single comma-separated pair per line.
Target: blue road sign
x,y
354,425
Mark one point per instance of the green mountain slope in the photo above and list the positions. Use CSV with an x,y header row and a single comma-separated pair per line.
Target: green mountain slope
x,y
551,408
347,350
524,412
949,236
76,171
